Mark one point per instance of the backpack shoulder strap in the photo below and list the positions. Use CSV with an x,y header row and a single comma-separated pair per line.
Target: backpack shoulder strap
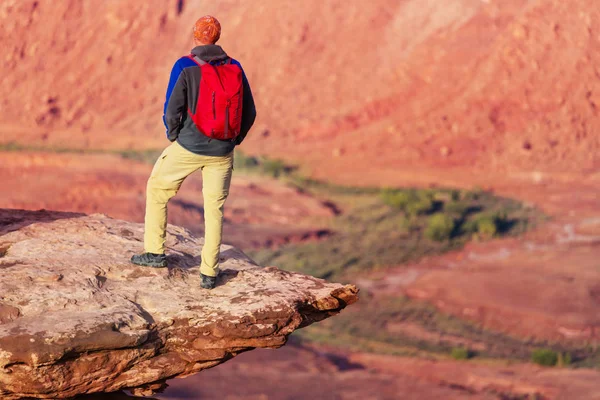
x,y
197,60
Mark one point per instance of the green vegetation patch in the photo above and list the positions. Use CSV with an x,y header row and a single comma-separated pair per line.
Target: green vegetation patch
x,y
145,156
551,358
262,166
372,325
381,228
461,353
412,202
440,227
369,325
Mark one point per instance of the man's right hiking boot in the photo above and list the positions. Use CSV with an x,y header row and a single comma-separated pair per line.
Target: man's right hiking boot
x,y
150,260
208,282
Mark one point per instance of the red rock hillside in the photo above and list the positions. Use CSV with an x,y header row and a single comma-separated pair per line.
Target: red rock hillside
x,y
508,86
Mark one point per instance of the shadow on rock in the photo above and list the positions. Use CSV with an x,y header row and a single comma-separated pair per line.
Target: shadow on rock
x,y
225,276
12,220
182,261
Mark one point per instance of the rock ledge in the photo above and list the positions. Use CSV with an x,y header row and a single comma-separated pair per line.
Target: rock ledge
x,y
76,317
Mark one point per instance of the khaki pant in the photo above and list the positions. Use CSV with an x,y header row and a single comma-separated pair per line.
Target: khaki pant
x,y
172,167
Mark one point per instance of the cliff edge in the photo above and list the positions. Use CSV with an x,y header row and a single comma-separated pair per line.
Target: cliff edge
x,y
76,317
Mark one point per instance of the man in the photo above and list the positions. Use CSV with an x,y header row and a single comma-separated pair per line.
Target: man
x,y
194,148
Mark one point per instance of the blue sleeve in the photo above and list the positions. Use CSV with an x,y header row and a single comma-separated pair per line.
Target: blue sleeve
x,y
248,106
244,79
175,72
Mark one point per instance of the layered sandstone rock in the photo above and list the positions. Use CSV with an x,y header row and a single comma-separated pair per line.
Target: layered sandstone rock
x,y
77,317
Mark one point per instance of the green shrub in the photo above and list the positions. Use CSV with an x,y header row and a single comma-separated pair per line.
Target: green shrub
x,y
396,198
473,195
461,353
410,201
242,161
469,227
410,224
261,165
545,357
486,227
456,208
455,195
439,227
274,168
421,204
11,146
442,195
145,156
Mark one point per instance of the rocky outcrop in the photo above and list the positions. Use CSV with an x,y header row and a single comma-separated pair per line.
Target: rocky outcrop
x,y
76,317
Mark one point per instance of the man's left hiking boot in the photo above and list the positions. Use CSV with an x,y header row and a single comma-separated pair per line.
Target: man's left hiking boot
x,y
150,260
208,282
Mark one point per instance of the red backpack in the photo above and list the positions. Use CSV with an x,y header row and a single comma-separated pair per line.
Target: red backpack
x,y
219,110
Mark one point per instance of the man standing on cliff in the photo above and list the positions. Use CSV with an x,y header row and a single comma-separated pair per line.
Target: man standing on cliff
x,y
208,111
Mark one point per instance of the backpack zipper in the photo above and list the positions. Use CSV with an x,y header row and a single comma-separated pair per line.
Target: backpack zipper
x,y
227,119
213,106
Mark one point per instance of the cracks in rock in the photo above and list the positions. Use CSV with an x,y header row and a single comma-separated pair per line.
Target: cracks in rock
x,y
8,368
8,264
97,282
150,388
101,281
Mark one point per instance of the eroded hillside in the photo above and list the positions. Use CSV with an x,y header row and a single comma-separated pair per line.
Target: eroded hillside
x,y
507,86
